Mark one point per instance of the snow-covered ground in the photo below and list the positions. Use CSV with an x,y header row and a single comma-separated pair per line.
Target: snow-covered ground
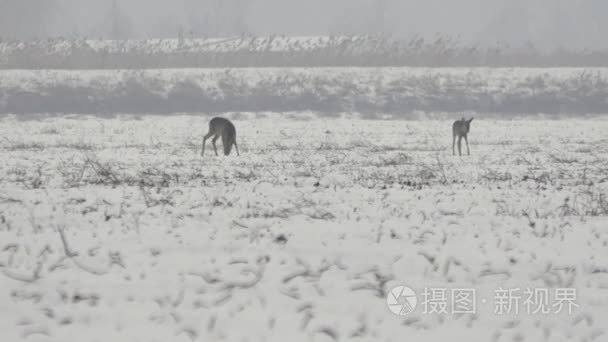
x,y
117,229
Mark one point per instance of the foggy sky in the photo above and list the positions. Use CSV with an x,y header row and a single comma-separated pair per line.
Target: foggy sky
x,y
545,23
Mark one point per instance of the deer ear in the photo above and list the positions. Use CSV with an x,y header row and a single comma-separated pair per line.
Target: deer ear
x,y
471,119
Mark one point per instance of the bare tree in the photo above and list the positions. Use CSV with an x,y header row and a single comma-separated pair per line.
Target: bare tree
x,y
379,20
241,9
120,26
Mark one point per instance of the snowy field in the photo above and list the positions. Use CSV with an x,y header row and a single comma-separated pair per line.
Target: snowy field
x,y
117,229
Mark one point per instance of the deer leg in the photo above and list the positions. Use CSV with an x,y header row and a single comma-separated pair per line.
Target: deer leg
x,y
467,141
237,148
204,142
459,145
453,144
203,147
213,141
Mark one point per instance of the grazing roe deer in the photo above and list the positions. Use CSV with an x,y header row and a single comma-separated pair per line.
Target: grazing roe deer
x,y
224,128
461,128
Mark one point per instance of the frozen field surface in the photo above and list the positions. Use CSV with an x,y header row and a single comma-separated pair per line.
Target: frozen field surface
x,y
117,229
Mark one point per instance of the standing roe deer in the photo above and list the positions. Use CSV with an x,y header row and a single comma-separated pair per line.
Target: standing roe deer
x,y
461,128
224,128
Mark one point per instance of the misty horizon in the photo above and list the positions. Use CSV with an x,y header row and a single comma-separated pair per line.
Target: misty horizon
x,y
545,24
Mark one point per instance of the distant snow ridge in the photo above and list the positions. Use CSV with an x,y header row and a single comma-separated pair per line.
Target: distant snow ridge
x,y
395,91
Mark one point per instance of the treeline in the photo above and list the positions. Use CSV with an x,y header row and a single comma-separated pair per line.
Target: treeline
x,y
279,51
371,92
